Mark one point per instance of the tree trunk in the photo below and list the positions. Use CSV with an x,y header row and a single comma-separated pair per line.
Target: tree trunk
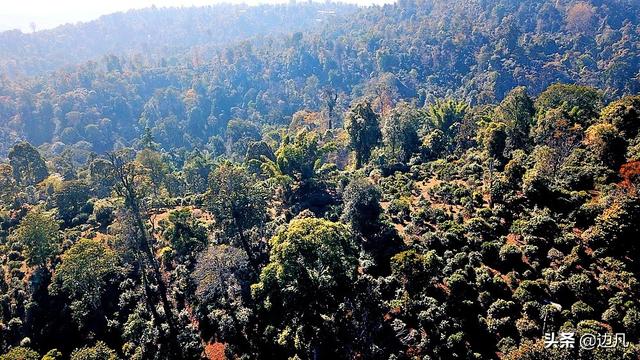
x,y
147,249
246,247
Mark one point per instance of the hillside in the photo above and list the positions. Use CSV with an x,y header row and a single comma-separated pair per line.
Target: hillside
x,y
149,34
426,180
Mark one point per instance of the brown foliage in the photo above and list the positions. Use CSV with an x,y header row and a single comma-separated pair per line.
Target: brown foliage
x,y
630,174
580,17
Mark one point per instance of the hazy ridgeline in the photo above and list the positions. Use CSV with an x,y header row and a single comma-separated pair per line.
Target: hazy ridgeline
x,y
425,180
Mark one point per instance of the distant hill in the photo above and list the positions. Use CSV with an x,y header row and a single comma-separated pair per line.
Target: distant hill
x,y
154,31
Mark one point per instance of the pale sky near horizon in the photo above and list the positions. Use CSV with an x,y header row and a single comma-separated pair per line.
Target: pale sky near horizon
x,y
46,14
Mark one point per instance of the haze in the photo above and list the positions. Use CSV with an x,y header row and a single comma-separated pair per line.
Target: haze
x,y
48,14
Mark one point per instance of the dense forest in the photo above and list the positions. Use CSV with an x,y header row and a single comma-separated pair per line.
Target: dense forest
x,y
425,180
148,34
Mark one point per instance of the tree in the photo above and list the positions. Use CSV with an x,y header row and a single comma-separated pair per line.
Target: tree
x,y
607,143
580,17
361,204
624,114
28,165
70,200
185,233
147,140
298,170
237,203
83,274
125,173
557,130
434,144
415,270
223,276
7,184
100,351
493,138
299,156
196,171
154,167
219,268
362,211
516,111
581,104
446,115
400,132
101,176
20,353
38,234
330,98
363,127
312,267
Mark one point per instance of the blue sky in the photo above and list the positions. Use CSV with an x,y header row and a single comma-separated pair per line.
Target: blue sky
x,y
47,13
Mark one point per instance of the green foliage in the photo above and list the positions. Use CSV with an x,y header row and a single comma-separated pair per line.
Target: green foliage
x,y
400,132
607,143
624,115
53,354
362,125
7,184
494,140
298,157
100,351
28,165
103,212
310,256
516,111
83,274
38,234
154,166
196,171
361,204
521,215
184,233
435,144
20,353
582,104
415,270
446,115
237,203
70,200
312,266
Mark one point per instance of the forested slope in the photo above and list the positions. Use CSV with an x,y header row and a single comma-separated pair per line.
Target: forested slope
x,y
151,33
380,188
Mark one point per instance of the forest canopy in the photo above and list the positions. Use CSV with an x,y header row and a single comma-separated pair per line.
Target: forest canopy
x,y
423,180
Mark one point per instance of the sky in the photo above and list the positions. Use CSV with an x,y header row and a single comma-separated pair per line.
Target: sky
x,y
46,14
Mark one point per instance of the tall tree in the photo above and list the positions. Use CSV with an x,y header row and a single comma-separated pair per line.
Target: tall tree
x,y
238,204
362,125
28,165
126,173
7,184
312,268
330,98
83,273
400,132
516,111
38,234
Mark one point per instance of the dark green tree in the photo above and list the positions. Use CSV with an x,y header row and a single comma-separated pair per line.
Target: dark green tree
x,y
28,165
39,234
311,269
362,125
238,204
